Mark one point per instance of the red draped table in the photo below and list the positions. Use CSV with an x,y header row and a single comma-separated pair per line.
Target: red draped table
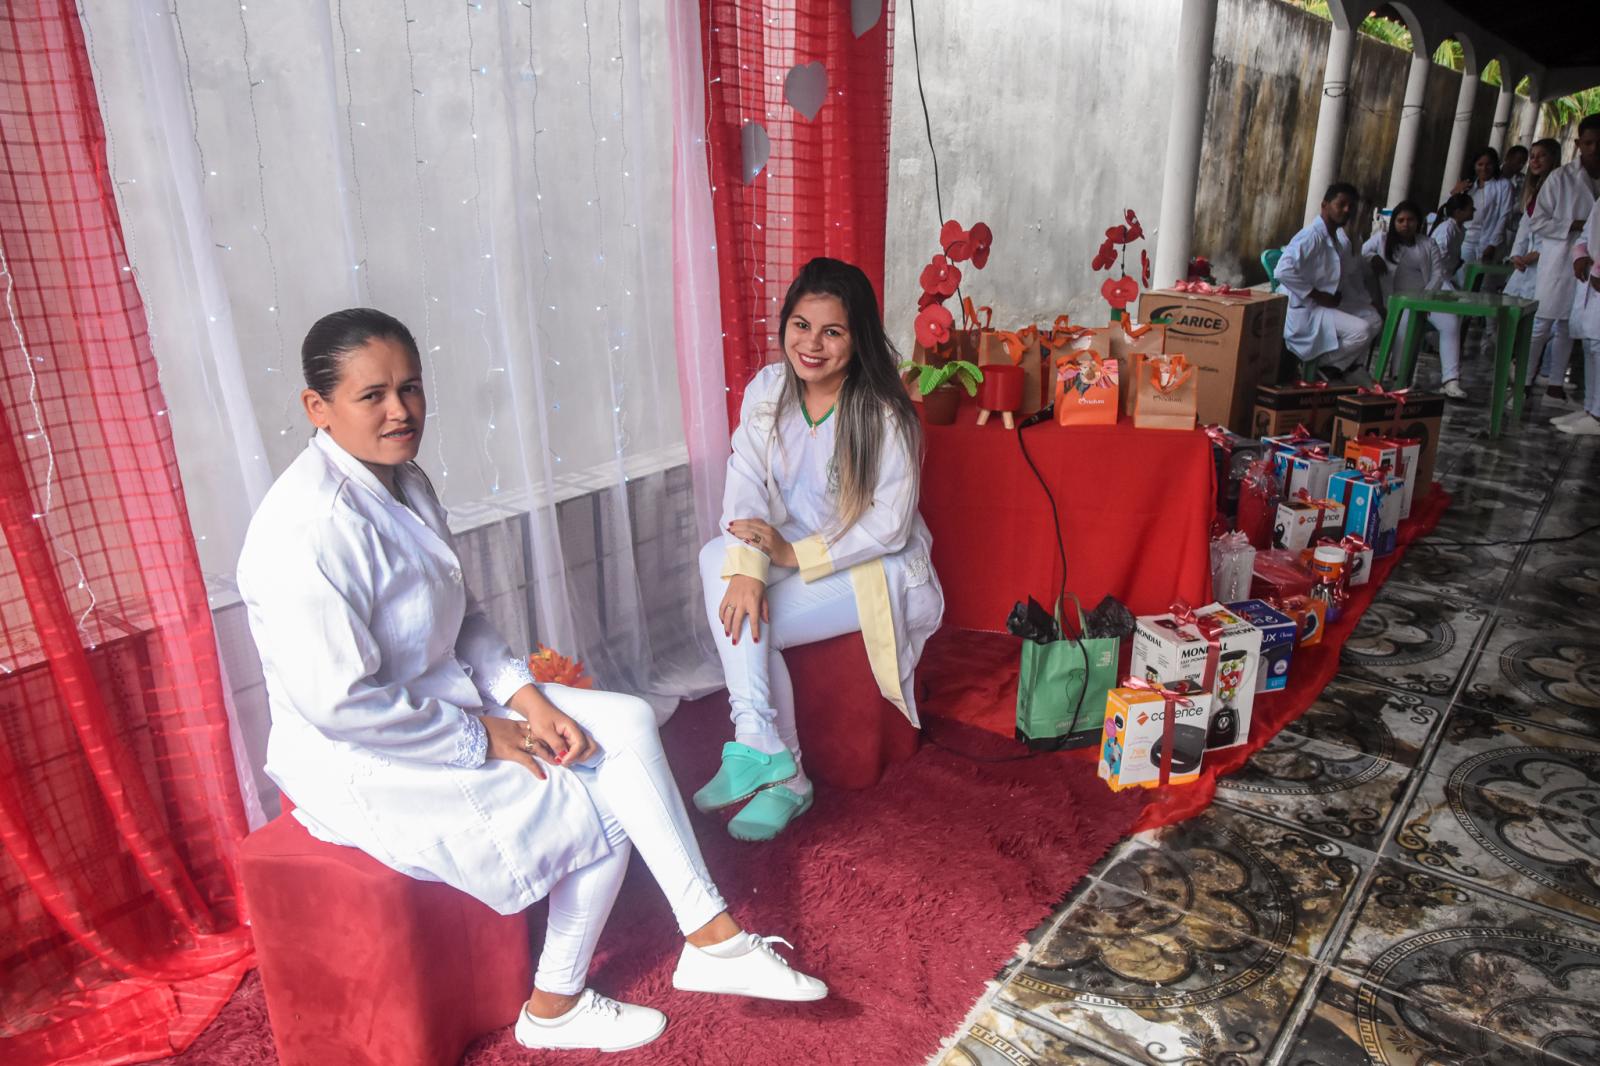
x,y
1135,506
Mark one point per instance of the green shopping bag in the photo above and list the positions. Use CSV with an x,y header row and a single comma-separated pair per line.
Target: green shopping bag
x,y
1061,690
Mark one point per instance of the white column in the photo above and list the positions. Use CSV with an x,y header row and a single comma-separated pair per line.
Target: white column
x,y
1502,113
1405,144
1191,80
1330,120
1456,158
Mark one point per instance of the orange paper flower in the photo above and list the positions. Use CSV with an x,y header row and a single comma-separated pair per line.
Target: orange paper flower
x,y
552,668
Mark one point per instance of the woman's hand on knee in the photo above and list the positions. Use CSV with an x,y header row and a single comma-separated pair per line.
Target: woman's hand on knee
x,y
512,741
764,536
745,600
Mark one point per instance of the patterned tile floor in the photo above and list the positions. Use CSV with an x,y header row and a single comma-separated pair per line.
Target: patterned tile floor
x,y
1408,874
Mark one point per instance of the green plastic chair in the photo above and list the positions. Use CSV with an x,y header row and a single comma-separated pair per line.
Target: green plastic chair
x,y
1269,263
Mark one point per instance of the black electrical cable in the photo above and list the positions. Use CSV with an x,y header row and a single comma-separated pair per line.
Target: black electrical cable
x,y
927,120
1429,542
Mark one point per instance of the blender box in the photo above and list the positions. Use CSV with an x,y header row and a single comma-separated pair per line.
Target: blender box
x,y
1278,632
1166,651
1363,502
1131,740
1307,471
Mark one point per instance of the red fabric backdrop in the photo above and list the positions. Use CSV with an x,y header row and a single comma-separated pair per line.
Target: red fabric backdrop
x,y
120,919
824,187
1135,509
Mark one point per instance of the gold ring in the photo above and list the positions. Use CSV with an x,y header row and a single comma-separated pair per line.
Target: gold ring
x,y
527,742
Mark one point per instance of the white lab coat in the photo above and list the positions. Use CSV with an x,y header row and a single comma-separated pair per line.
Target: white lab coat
x,y
1566,197
1491,202
1523,283
378,663
781,473
1314,260
1585,321
1417,267
1448,236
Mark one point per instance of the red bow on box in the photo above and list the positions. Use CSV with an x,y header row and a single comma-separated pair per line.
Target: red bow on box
x,y
1174,698
1304,384
1210,627
1354,545
1205,288
1399,396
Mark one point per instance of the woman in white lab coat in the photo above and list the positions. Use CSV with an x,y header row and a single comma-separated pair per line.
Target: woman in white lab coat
x,y
1550,347
1585,316
1492,202
1559,212
1449,232
822,536
1406,262
403,724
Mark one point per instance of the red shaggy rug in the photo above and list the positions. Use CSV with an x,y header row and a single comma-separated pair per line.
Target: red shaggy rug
x,y
905,898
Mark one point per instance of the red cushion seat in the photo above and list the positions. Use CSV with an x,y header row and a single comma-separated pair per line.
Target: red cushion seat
x,y
364,965
848,732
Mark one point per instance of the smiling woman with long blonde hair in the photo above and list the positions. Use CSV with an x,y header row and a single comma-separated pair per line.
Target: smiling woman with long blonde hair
x,y
822,536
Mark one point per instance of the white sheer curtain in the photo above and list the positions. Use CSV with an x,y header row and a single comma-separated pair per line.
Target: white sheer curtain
x,y
497,174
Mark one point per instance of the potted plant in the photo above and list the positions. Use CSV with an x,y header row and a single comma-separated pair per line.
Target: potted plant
x,y
939,341
937,387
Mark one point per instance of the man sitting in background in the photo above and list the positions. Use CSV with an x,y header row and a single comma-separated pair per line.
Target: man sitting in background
x,y
1313,266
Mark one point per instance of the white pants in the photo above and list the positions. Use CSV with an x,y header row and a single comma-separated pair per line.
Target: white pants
x,y
1449,327
639,807
1354,333
1549,350
758,682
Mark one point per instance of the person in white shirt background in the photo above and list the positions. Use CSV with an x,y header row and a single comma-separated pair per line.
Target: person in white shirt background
x,y
1312,271
1492,202
1449,232
822,536
1560,211
403,724
1585,317
1550,346
1406,262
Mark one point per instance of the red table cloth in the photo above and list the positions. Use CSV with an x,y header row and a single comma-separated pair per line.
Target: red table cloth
x,y
1135,506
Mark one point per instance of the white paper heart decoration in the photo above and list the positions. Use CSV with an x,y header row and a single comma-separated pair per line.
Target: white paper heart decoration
x,y
864,14
806,88
756,147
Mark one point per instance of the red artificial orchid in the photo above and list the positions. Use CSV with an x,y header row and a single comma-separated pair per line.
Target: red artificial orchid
x,y
956,242
1135,230
1117,234
1106,257
1144,266
934,323
941,277
982,238
928,299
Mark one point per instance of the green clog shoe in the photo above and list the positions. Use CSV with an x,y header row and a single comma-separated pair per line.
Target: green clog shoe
x,y
744,772
769,813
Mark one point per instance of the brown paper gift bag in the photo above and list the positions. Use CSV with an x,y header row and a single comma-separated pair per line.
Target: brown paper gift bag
x,y
1167,393
998,347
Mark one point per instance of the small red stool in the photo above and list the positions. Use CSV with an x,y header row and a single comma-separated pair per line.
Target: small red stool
x,y
363,965
848,731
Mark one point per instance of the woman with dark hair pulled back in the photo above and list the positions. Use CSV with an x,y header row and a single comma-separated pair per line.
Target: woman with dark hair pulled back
x,y
404,725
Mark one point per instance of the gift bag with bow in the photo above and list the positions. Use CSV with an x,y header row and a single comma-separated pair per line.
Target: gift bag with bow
x,y
1167,393
1087,388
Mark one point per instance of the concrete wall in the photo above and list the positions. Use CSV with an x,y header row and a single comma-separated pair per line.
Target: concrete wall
x,y
1050,119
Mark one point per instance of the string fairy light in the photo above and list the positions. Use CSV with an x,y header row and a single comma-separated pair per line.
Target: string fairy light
x,y
545,257
423,229
360,265
484,260
603,309
39,433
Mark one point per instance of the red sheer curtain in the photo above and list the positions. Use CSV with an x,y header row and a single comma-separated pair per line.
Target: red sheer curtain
x,y
121,927
824,187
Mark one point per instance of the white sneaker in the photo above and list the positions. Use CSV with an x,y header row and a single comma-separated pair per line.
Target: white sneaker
x,y
597,1023
1587,426
1571,417
759,972
1453,389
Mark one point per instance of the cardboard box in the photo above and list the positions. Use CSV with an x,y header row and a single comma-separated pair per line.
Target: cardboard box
x,y
1312,474
1410,455
1389,518
1299,524
1278,632
1365,415
1233,455
1166,651
1372,454
1233,341
1363,503
1130,748
1279,408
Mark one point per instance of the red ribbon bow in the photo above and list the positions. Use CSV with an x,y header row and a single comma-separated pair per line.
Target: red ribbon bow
x,y
1220,437
1302,383
1205,288
1354,544
1399,396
